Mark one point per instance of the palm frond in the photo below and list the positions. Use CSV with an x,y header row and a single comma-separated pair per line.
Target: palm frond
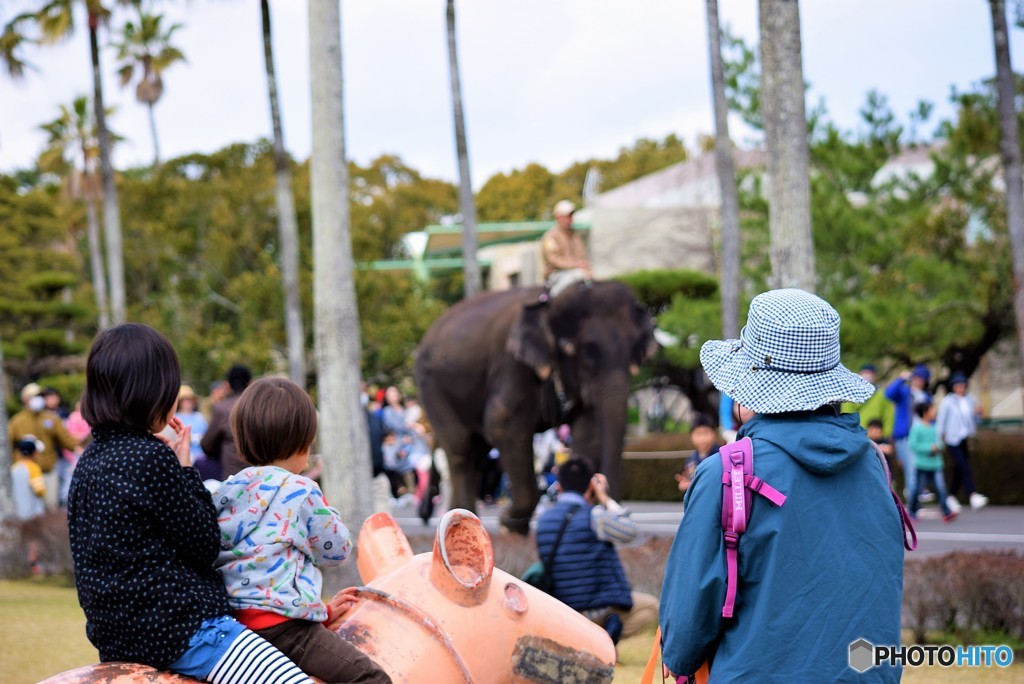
x,y
11,42
56,21
168,56
125,73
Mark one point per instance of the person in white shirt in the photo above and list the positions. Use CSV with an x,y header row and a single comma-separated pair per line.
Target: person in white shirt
x,y
958,420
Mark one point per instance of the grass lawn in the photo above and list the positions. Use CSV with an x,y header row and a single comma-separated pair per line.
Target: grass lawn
x,y
42,630
634,652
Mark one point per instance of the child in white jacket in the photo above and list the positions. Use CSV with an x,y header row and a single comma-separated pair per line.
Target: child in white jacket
x,y
277,528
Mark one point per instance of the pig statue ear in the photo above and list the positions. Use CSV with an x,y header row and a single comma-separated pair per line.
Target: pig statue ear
x,y
530,340
463,559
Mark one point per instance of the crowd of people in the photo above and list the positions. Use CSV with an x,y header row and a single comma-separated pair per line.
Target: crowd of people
x,y
822,437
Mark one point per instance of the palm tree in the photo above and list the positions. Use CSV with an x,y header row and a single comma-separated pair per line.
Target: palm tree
x,y
726,182
467,203
287,225
9,537
71,153
55,21
145,48
785,132
12,38
1009,148
343,432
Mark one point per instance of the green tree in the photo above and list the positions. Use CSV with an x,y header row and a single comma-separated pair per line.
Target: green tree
x,y
902,252
71,154
518,195
530,193
54,21
397,314
38,266
205,260
918,265
145,49
388,199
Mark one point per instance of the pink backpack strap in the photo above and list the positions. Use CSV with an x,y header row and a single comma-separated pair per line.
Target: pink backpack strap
x,y
909,542
738,485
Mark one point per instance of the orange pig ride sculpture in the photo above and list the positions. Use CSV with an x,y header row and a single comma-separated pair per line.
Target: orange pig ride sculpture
x,y
448,617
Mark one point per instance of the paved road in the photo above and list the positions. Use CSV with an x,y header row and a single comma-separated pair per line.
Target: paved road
x,y
994,527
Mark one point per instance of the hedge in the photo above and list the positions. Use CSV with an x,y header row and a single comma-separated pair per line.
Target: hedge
x,y
997,464
967,594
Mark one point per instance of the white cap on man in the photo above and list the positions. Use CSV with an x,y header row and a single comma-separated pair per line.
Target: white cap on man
x,y
30,390
564,208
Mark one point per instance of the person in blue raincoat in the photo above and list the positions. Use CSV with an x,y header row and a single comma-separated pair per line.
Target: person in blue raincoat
x,y
823,570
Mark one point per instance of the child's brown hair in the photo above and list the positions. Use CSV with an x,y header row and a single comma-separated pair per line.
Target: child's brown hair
x,y
272,420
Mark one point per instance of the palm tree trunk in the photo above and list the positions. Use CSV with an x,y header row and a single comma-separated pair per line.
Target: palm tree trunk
x,y
156,140
287,225
111,209
785,132
1009,148
730,289
343,437
99,278
467,203
9,537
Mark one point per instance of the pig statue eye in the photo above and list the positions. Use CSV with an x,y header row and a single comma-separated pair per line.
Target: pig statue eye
x,y
515,598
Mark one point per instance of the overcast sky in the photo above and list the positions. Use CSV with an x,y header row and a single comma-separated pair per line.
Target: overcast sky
x,y
551,81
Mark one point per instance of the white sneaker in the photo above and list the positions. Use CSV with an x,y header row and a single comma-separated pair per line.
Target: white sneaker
x,y
953,504
926,497
978,500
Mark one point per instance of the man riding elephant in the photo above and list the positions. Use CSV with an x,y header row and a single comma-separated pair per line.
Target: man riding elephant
x,y
497,368
563,251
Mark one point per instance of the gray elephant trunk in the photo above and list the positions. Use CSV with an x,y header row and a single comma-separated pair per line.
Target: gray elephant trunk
x,y
599,432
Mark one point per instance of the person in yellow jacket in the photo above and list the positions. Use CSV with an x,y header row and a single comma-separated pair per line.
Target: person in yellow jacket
x,y
46,427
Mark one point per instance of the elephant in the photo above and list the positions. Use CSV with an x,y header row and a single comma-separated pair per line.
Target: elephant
x,y
501,366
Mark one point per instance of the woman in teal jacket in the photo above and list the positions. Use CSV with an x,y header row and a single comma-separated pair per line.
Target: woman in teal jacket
x,y
820,572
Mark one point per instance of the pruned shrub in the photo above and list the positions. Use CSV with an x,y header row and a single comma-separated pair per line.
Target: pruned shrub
x,y
965,593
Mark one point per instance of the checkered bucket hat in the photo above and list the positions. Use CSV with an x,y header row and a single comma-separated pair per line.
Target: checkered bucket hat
x,y
787,357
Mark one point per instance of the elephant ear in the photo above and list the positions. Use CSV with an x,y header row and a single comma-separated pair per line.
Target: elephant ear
x,y
645,345
530,340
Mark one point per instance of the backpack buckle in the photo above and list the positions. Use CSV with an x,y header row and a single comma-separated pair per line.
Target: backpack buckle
x,y
731,539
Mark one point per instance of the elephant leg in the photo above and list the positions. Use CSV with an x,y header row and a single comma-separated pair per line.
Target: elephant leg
x,y
516,456
464,476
